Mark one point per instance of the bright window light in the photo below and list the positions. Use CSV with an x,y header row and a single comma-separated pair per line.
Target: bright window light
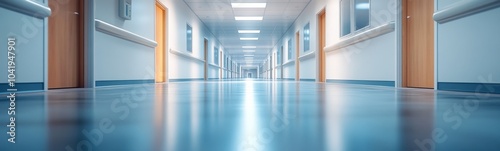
x,y
248,31
249,18
248,5
249,38
363,6
249,47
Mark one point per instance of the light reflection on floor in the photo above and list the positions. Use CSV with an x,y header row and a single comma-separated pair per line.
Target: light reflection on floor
x,y
253,115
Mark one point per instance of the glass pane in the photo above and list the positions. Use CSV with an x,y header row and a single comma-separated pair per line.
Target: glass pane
x,y
189,36
345,17
216,56
307,36
289,49
362,13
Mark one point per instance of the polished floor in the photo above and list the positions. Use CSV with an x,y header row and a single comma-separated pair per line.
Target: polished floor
x,y
250,115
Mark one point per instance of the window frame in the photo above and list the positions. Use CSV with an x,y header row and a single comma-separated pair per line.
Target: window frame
x,y
289,53
216,55
308,37
352,18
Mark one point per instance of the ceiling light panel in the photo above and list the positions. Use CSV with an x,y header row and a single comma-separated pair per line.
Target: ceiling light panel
x,y
249,47
249,38
248,18
248,5
249,31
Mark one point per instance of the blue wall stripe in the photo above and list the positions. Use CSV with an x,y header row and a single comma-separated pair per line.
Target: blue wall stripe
x,y
364,82
308,80
35,86
289,79
186,80
470,87
122,82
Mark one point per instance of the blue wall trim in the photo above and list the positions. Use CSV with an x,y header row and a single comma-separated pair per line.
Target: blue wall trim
x,y
186,80
364,82
122,82
289,79
308,80
470,87
36,86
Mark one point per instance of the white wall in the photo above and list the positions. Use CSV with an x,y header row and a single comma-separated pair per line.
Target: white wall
x,y
373,59
179,15
468,49
118,59
29,34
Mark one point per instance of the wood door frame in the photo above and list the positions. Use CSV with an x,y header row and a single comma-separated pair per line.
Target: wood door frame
x,y
164,37
297,54
82,40
401,60
321,45
205,49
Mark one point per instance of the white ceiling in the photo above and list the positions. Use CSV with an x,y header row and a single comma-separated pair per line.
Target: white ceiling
x,y
218,15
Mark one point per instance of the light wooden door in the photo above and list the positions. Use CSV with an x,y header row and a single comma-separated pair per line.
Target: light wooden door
x,y
297,53
160,49
65,44
321,53
418,43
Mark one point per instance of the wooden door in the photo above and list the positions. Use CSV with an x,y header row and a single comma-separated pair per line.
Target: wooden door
x,y
66,24
418,43
160,39
321,44
297,54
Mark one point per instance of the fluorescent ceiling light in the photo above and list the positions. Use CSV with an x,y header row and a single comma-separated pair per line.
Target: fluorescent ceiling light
x,y
248,50
249,38
248,31
248,5
249,18
246,47
363,6
248,55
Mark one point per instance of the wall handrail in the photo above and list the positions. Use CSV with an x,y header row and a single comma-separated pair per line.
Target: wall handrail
x,y
27,7
464,8
214,65
307,56
184,54
362,36
123,34
288,62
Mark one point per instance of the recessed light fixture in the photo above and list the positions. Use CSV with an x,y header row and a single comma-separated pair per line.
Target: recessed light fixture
x,y
249,38
248,50
248,5
248,55
249,47
248,31
248,17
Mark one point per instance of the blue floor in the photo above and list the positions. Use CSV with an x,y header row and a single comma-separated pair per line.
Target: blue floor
x,y
250,115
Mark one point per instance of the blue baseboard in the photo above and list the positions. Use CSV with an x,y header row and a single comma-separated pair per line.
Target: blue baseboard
x,y
289,79
186,80
122,82
308,80
364,82
470,87
34,86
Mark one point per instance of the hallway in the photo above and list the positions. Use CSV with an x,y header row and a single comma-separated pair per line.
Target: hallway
x,y
251,114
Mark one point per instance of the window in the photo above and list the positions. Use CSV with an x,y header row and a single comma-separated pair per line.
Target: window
x,y
280,56
189,37
307,35
354,15
289,49
216,56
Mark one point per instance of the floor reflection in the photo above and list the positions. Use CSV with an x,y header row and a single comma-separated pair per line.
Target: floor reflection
x,y
254,115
